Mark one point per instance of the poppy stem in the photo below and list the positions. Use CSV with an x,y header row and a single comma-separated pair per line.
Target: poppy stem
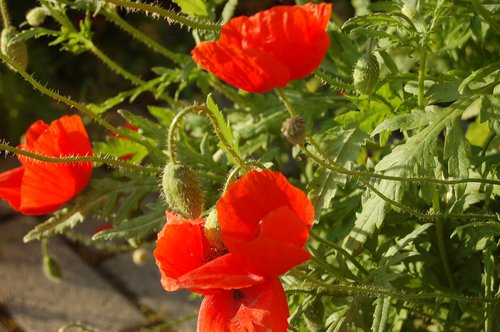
x,y
234,172
392,202
169,15
118,163
73,104
172,131
286,102
5,14
112,15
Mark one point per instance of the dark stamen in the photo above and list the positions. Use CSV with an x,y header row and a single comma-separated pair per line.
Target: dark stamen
x,y
238,294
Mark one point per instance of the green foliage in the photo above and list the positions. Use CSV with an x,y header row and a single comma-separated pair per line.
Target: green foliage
x,y
403,173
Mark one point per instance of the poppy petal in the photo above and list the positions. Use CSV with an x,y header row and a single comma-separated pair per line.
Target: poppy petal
x,y
262,307
251,70
248,200
293,35
186,260
34,131
10,186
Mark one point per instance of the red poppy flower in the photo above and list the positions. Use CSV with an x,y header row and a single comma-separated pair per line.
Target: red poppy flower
x,y
265,222
38,187
262,307
269,49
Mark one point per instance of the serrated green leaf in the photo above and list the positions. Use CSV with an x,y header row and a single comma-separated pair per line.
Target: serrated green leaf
x,y
222,125
490,111
193,7
136,228
457,152
482,80
35,32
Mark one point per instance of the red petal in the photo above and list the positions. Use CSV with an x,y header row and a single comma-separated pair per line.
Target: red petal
x,y
184,257
47,186
180,248
34,131
10,186
250,70
262,307
293,35
254,196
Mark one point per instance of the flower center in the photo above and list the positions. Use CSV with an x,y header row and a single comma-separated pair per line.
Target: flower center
x,y
238,294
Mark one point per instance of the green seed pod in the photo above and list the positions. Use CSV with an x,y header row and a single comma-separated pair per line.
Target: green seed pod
x,y
366,74
182,191
36,16
212,230
294,130
52,269
17,52
314,314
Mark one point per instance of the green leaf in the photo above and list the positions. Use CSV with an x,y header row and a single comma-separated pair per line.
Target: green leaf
x,y
415,157
136,228
482,80
490,111
228,11
342,146
225,130
36,32
401,244
193,7
457,151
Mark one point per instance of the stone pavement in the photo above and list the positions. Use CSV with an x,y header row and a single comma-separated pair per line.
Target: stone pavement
x,y
112,295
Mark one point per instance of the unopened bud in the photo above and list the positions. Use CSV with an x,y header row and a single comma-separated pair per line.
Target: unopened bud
x,y
36,16
212,230
52,269
294,130
366,73
17,52
140,256
182,191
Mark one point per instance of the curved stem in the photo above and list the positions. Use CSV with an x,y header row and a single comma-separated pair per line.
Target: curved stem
x,y
166,13
399,205
5,14
172,130
330,164
112,65
208,113
112,15
73,104
286,102
234,172
96,159
341,250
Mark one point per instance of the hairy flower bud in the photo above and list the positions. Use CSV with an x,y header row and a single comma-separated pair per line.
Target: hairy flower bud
x,y
140,256
212,229
366,73
294,130
182,191
36,16
17,52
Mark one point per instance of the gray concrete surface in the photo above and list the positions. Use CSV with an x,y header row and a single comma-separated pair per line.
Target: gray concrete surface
x,y
39,305
144,282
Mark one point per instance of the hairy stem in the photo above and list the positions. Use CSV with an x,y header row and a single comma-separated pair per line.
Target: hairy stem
x,y
5,14
165,13
421,78
140,36
118,163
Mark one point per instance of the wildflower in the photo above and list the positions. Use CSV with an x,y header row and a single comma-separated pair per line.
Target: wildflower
x,y
39,187
269,49
264,224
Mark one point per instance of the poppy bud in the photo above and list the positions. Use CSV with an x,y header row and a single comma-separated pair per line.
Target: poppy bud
x,y
140,256
366,73
182,191
212,229
314,314
36,16
17,52
294,130
52,269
